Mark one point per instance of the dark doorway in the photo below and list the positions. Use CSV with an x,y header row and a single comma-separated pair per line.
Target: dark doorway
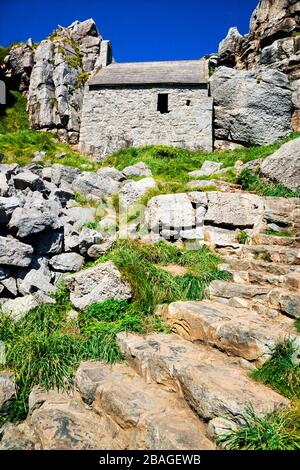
x,y
163,103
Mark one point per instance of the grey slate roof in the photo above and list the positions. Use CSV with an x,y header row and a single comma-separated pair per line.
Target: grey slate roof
x,y
149,73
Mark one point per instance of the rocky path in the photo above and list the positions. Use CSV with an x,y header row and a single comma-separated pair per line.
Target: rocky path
x,y
182,390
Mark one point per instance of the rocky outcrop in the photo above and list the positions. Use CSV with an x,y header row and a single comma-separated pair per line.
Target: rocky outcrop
x,y
43,232
251,107
18,66
62,64
273,42
272,39
53,73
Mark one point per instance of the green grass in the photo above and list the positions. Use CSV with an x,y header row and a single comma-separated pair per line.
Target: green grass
x,y
243,237
251,181
45,348
13,116
279,431
172,164
139,264
282,370
19,147
281,233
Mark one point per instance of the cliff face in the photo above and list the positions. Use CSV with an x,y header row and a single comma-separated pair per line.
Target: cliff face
x,y
61,66
273,42
53,75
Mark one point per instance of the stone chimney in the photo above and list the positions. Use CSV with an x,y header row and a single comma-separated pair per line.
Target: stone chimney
x,y
105,57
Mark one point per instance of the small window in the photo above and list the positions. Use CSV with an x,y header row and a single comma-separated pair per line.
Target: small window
x,y
163,103
188,102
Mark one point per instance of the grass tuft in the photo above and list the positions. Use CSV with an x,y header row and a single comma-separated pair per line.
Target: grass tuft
x,y
280,431
251,181
282,370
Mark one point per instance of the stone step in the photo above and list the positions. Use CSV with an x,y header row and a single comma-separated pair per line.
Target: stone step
x,y
273,240
138,415
263,299
268,253
236,331
289,281
212,383
233,263
57,421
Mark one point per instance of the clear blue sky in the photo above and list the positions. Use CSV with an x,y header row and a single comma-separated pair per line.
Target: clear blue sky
x,y
139,29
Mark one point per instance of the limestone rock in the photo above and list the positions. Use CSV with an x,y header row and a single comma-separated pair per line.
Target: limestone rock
x,y
92,184
132,191
7,389
4,188
208,168
181,213
28,180
251,107
60,173
213,384
234,210
137,170
143,416
37,280
239,332
67,262
15,253
78,216
18,307
57,421
27,221
96,284
218,237
56,85
19,64
284,165
87,238
112,173
7,207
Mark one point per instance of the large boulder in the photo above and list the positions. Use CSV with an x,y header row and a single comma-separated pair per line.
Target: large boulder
x,y
234,210
251,107
174,216
97,284
92,184
27,222
15,253
284,165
